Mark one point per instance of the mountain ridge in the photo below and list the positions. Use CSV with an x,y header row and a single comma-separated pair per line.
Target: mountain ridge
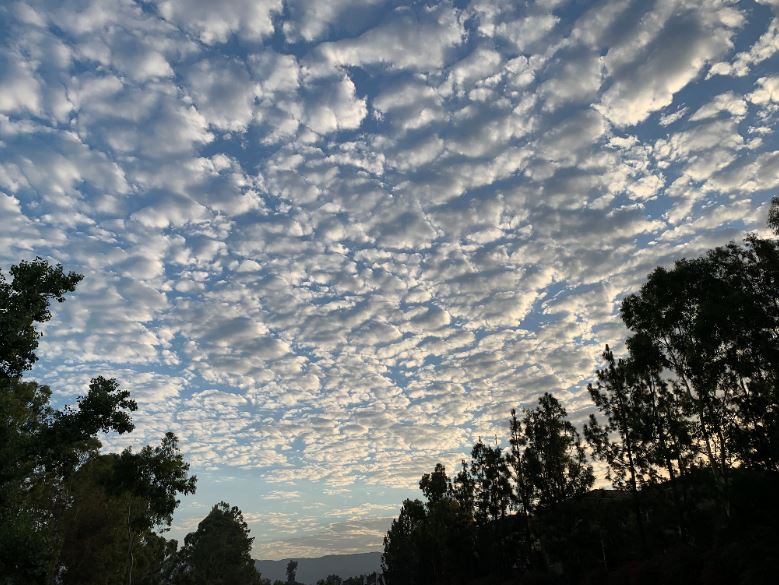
x,y
310,570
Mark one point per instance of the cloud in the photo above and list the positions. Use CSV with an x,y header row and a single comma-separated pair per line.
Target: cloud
x,y
332,105
215,23
310,20
223,92
767,91
728,103
408,39
330,244
764,48
20,90
648,73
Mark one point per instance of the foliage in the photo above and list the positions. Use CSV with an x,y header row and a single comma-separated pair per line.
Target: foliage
x,y
24,302
371,579
59,499
401,562
292,568
97,535
464,529
773,215
219,551
688,428
711,325
489,474
555,463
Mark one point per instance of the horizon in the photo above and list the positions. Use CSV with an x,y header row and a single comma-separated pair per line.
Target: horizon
x,y
331,244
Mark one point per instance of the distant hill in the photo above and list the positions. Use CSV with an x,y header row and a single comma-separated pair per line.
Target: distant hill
x,y
311,570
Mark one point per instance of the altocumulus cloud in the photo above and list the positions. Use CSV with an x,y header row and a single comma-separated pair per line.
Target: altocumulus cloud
x,y
331,243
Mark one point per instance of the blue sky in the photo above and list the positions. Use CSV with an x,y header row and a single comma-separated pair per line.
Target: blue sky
x,y
332,243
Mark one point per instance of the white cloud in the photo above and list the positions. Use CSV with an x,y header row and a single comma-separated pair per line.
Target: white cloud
x,y
334,242
214,23
223,92
728,103
332,105
661,62
767,91
764,48
407,40
19,88
311,19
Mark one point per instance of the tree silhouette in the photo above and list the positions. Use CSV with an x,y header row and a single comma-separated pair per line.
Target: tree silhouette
x,y
556,465
401,560
773,215
51,473
620,442
712,323
219,551
435,486
292,567
490,477
24,303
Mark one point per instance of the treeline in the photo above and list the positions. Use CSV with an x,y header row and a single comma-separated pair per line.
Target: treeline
x,y
71,515
686,426
371,579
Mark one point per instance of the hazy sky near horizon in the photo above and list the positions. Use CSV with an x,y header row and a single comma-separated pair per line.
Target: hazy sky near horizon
x,y
330,243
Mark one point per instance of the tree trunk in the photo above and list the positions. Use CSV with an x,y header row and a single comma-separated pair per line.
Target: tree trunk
x,y
130,556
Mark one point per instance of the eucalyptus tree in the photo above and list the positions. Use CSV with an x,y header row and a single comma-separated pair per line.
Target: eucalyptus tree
x,y
149,483
713,322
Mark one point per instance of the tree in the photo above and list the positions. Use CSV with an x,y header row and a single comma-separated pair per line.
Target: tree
x,y
463,490
522,494
292,568
555,467
55,487
401,561
712,322
96,539
517,462
620,442
148,483
773,215
219,551
490,476
435,486
665,428
24,303
446,536
40,447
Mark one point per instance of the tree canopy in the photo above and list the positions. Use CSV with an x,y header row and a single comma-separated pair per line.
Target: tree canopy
x,y
56,490
219,551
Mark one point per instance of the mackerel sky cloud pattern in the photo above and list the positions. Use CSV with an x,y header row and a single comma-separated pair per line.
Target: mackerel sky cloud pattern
x,y
332,243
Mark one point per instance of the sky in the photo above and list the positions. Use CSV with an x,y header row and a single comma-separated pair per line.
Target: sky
x,y
331,243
